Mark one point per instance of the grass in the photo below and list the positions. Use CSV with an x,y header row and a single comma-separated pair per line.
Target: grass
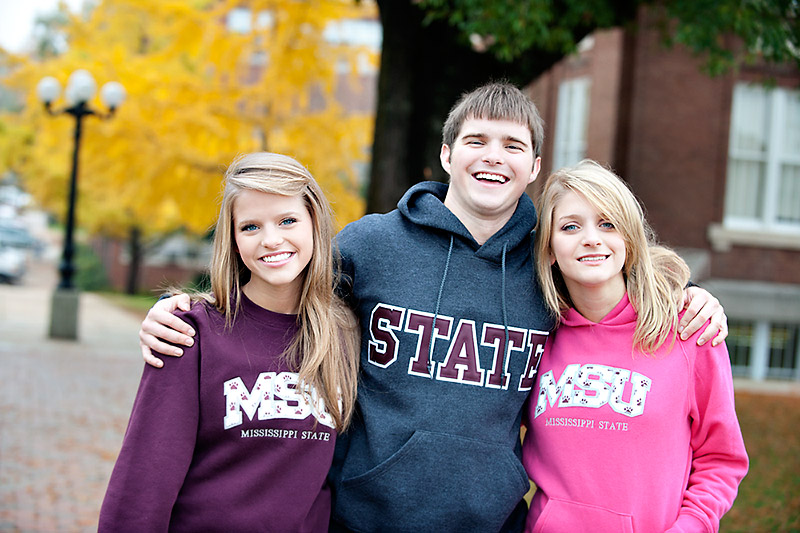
x,y
769,497
138,304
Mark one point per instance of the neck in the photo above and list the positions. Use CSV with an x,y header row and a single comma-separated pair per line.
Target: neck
x,y
595,303
286,302
481,228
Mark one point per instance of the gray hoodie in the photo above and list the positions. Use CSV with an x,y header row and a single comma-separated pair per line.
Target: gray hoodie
x,y
435,444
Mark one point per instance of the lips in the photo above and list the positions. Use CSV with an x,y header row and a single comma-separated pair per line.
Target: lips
x,y
491,177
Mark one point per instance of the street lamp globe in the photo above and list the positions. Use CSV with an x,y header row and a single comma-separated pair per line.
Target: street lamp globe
x,y
48,89
112,94
81,87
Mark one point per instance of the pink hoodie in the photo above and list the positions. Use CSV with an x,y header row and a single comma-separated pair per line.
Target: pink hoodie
x,y
621,441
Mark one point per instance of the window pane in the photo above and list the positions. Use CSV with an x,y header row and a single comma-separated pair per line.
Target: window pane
x,y
750,119
740,342
791,127
572,121
789,194
782,351
744,189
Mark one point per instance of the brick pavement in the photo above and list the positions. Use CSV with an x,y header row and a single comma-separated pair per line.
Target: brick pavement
x,y
64,406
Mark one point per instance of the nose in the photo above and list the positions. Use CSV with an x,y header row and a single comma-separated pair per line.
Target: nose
x,y
493,154
272,238
591,237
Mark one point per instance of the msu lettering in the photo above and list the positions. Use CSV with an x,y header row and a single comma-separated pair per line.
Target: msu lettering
x,y
274,395
593,385
462,362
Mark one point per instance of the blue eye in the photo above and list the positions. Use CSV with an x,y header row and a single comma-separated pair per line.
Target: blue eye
x,y
607,225
569,227
249,227
288,221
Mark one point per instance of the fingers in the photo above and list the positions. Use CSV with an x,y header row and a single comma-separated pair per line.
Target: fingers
x,y
717,329
701,308
165,325
149,358
184,303
723,327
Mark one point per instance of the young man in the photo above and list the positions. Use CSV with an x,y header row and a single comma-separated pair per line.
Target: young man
x,y
453,326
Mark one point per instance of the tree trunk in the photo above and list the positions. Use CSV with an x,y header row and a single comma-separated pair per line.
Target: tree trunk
x,y
135,251
424,70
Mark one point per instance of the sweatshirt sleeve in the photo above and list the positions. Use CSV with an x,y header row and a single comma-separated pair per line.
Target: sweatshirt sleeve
x,y
719,459
158,446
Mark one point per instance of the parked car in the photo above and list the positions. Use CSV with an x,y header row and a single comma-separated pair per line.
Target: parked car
x,y
14,236
12,264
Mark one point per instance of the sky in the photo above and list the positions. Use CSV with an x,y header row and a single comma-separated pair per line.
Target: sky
x,y
17,16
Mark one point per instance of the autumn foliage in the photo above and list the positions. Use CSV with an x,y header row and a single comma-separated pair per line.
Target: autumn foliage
x,y
199,93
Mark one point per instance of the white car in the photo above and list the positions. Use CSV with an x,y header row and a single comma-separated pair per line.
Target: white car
x,y
12,264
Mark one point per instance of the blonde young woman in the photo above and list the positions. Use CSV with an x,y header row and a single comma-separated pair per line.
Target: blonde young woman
x,y
238,435
630,428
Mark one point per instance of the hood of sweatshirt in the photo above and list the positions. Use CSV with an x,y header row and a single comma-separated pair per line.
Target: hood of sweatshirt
x,y
621,315
423,205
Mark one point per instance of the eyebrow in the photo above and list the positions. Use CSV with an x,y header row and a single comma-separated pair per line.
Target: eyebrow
x,y
505,138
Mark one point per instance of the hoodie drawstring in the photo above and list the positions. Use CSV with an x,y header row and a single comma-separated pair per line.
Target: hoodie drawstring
x,y
502,368
439,301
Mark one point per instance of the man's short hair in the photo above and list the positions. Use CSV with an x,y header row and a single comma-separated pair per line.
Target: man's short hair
x,y
495,101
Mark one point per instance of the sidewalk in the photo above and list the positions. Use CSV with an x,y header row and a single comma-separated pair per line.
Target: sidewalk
x,y
64,406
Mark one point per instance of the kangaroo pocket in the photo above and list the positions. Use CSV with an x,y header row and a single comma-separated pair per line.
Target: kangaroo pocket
x,y
572,517
435,482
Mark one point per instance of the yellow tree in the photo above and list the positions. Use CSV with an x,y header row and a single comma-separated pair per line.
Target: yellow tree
x,y
199,92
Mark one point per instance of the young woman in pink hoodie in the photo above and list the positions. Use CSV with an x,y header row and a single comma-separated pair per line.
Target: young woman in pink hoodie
x,y
629,427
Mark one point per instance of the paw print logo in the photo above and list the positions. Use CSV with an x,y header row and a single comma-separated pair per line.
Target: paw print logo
x,y
584,401
234,386
628,410
244,397
232,407
539,410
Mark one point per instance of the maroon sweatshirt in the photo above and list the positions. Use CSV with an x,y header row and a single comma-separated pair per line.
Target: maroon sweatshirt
x,y
220,439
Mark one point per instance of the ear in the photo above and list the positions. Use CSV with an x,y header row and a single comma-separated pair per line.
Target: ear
x,y
537,166
444,158
552,259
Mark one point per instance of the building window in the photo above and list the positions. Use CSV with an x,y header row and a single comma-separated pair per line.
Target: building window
x,y
572,122
761,349
739,341
762,190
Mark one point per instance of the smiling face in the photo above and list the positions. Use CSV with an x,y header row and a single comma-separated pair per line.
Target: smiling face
x,y
490,164
275,238
588,249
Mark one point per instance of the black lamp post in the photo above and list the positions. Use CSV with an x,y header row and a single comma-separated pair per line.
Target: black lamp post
x,y
81,88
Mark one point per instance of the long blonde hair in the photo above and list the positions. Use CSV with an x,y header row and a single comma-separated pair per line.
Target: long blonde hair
x,y
325,349
654,275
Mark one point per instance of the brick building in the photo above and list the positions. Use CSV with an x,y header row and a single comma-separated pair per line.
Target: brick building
x,y
716,163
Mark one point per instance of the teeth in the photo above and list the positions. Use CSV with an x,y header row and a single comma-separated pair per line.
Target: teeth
x,y
490,177
592,258
276,258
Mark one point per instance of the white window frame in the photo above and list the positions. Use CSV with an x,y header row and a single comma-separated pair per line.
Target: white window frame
x,y
572,122
764,229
